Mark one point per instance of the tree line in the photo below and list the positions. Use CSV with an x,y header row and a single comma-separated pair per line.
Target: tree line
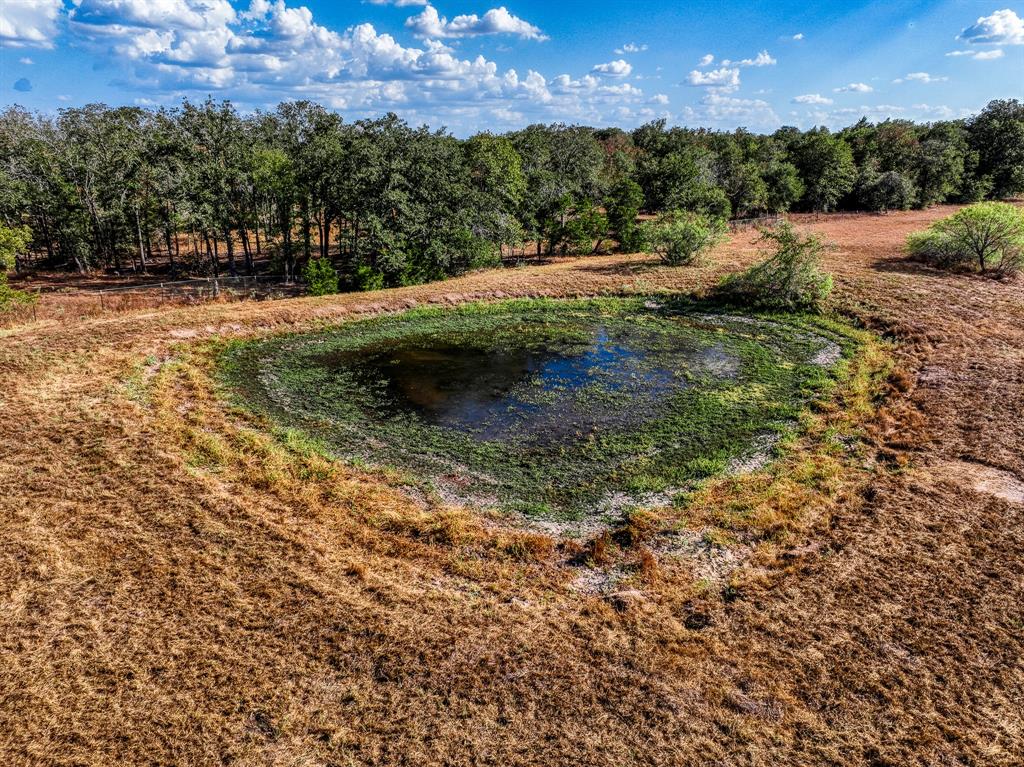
x,y
203,189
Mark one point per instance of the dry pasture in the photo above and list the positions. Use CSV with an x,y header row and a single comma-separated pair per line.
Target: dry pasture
x,y
177,590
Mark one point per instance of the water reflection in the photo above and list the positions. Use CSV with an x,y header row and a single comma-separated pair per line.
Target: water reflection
x,y
541,392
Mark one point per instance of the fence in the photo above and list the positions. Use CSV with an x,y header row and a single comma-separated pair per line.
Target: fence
x,y
743,224
80,304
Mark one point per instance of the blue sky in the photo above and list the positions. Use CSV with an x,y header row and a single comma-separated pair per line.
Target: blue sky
x,y
473,65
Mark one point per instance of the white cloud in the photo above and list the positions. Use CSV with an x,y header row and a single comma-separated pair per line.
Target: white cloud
x,y
26,61
630,48
941,112
920,77
617,68
398,3
272,52
762,59
156,14
497,21
989,55
718,110
29,23
725,78
854,88
659,98
707,60
811,98
1000,28
798,36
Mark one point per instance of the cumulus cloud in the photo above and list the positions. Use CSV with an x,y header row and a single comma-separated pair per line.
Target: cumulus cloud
x,y
156,14
854,88
798,36
630,48
398,3
762,59
272,51
707,60
718,110
989,55
811,98
726,78
29,23
617,68
920,77
1000,28
497,21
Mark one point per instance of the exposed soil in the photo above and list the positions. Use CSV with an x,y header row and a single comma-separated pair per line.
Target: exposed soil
x,y
162,610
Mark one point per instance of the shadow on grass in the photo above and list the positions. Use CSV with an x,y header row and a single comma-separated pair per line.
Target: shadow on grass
x,y
626,269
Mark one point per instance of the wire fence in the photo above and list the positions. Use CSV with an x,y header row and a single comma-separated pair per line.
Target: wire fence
x,y
743,224
84,303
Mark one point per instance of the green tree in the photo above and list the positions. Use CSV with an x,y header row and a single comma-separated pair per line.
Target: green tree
x,y
622,207
681,237
826,167
997,135
14,240
987,235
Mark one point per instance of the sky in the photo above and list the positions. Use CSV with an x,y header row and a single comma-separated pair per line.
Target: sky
x,y
471,65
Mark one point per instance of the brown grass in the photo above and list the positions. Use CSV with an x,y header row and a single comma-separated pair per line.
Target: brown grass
x,y
179,588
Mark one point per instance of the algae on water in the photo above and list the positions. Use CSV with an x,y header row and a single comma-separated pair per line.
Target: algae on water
x,y
548,408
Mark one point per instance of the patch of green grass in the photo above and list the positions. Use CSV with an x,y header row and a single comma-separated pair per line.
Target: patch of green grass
x,y
693,391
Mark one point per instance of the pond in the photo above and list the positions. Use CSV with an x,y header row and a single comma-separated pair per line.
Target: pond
x,y
535,390
548,408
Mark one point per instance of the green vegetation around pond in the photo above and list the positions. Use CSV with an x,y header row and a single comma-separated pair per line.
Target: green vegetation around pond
x,y
555,409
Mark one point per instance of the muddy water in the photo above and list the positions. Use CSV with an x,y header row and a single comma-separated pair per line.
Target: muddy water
x,y
542,392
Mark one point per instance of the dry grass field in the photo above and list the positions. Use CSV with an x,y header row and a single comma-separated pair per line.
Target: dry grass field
x,y
177,588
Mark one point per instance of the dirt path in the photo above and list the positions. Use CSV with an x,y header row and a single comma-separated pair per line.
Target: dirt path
x,y
153,612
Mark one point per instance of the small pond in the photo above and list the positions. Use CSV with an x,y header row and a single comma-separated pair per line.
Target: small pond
x,y
549,408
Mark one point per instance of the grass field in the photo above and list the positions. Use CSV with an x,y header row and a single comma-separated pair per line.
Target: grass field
x,y
183,584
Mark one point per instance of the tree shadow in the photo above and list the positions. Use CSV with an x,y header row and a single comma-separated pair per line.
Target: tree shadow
x,y
628,269
911,266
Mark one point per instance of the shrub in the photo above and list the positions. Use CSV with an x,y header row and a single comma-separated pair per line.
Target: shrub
x,y
680,237
987,236
367,278
789,279
321,277
14,240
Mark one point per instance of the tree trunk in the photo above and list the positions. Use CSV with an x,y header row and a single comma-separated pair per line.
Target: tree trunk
x,y
142,245
247,250
231,253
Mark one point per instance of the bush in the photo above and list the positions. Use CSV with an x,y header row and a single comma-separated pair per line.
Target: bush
x,y
14,240
321,277
987,237
789,279
680,237
367,278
